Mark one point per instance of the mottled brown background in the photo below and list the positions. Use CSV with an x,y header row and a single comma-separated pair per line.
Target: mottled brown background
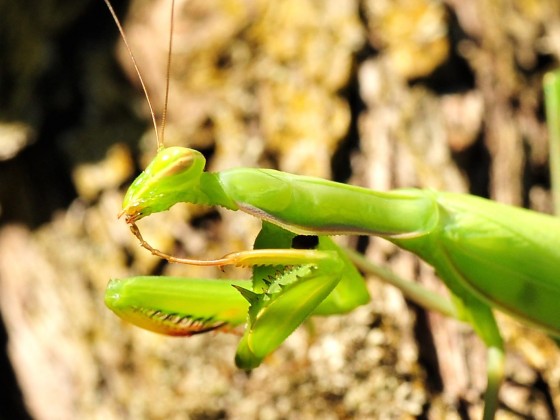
x,y
378,93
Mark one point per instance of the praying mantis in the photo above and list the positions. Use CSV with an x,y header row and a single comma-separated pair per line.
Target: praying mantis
x,y
489,255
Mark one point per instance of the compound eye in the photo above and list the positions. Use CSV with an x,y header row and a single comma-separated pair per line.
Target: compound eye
x,y
176,164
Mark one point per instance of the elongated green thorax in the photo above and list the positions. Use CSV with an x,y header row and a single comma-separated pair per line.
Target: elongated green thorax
x,y
313,206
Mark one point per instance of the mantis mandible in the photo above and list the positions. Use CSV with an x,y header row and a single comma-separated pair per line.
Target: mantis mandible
x,y
489,255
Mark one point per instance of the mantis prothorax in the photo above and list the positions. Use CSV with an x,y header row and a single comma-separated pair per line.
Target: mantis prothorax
x,y
490,256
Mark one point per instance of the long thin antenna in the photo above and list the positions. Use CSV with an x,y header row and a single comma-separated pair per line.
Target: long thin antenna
x,y
123,36
168,76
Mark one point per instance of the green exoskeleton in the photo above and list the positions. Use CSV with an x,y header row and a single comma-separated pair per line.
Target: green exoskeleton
x,y
490,256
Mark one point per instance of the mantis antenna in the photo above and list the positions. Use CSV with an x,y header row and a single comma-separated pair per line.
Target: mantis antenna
x,y
167,77
159,136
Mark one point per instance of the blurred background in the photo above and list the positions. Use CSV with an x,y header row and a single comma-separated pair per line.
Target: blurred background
x,y
379,93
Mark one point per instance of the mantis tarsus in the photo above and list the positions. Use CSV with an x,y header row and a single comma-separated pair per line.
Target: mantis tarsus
x,y
490,256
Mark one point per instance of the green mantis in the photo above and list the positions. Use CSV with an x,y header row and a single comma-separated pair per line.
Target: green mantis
x,y
490,256
322,281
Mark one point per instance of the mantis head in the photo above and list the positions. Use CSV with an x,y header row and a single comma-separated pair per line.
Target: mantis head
x,y
173,176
